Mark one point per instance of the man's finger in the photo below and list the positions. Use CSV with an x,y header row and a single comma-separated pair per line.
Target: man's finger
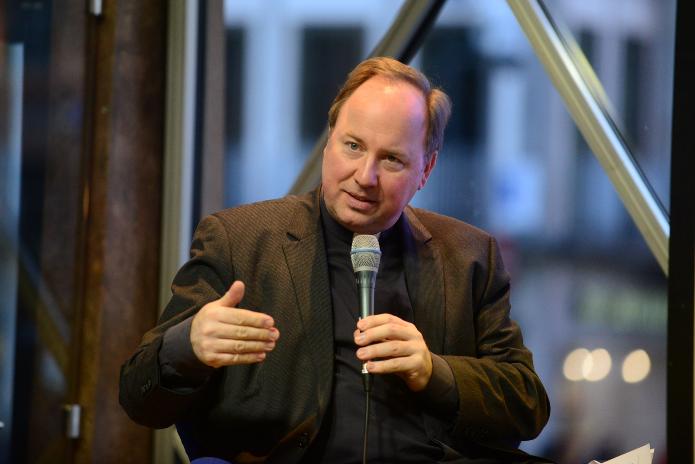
x,y
390,331
390,349
380,319
234,295
411,369
391,366
244,317
242,346
225,359
247,332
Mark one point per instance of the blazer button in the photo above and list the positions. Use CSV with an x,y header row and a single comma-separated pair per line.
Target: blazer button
x,y
146,387
303,440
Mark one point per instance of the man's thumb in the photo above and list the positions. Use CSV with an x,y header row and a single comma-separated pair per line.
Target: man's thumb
x,y
234,295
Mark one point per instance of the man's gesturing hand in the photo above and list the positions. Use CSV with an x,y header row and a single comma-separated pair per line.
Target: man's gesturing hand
x,y
224,335
394,347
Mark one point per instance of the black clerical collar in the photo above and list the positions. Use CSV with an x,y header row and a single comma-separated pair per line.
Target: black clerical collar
x,y
333,230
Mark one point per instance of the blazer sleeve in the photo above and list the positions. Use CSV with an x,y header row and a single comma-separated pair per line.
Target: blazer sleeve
x,y
501,399
204,278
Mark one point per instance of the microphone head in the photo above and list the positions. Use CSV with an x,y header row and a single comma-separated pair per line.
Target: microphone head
x,y
365,253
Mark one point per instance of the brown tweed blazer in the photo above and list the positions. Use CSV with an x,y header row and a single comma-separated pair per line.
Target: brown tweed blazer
x,y
272,410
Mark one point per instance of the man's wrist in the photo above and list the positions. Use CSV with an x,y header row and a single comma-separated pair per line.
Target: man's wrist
x,y
441,394
179,365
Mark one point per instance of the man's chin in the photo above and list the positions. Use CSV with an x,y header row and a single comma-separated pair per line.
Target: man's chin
x,y
358,224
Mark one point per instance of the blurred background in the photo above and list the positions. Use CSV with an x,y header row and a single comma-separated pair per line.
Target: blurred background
x,y
118,123
514,164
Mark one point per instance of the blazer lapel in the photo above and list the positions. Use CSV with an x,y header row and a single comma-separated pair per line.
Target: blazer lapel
x,y
425,280
305,255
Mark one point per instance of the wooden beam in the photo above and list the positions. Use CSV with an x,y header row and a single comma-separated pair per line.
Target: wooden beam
x,y
122,198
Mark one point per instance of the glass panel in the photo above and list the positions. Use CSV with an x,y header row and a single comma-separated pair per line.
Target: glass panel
x,y
514,164
41,118
464,80
585,287
293,57
631,51
327,57
235,46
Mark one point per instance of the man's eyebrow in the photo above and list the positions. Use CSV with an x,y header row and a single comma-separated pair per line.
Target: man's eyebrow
x,y
394,151
354,137
391,151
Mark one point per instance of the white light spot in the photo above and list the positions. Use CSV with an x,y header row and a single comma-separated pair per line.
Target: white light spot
x,y
597,365
636,366
574,362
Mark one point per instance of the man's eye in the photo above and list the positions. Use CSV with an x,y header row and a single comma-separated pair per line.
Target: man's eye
x,y
353,146
393,163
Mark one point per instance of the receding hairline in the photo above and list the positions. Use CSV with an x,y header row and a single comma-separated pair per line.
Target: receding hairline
x,y
437,103
391,82
419,99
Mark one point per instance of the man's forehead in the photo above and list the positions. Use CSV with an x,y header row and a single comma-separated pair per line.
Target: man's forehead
x,y
385,116
390,86
397,97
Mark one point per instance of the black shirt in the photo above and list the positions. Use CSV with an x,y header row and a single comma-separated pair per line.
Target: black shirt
x,y
396,429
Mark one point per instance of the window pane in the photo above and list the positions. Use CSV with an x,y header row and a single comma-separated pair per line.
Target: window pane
x,y
293,57
328,55
463,78
631,52
512,163
42,85
584,284
235,46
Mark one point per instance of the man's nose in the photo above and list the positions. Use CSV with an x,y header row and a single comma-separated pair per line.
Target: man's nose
x,y
366,174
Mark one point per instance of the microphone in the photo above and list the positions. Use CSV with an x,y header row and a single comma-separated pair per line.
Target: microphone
x,y
365,255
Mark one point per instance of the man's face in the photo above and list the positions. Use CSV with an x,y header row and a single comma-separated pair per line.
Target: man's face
x,y
374,160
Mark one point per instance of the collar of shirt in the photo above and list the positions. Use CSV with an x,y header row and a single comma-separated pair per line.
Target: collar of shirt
x,y
335,233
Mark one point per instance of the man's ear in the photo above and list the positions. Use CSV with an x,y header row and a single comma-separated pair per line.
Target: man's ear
x,y
431,162
328,139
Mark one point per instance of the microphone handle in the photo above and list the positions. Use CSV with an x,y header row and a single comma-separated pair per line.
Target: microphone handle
x,y
365,284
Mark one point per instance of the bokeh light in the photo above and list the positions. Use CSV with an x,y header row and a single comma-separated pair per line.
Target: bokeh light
x,y
573,365
636,366
597,365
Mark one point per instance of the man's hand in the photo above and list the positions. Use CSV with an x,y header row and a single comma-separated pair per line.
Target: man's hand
x,y
224,335
395,347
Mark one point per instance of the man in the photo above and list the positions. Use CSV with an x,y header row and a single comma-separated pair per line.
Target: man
x,y
268,369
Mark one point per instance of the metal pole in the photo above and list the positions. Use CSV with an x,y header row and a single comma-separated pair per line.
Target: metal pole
x,y
680,426
582,93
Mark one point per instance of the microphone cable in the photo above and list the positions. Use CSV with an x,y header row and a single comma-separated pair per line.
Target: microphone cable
x,y
367,381
365,255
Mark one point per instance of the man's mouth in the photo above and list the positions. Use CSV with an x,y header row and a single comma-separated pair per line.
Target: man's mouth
x,y
360,202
